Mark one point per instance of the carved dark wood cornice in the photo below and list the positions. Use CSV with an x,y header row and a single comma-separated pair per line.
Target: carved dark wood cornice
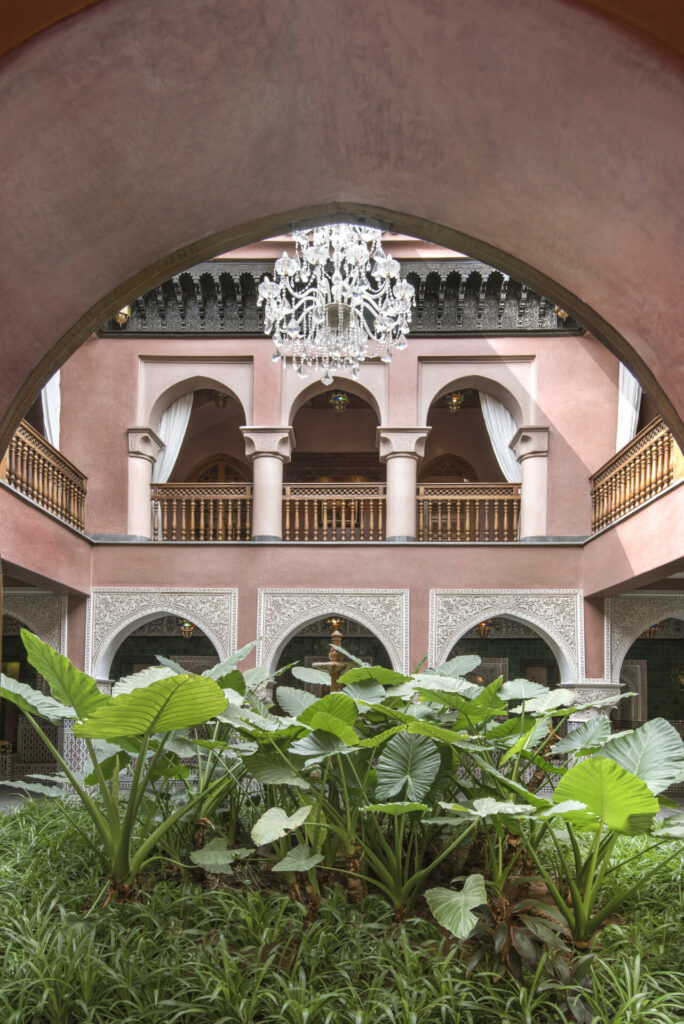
x,y
453,297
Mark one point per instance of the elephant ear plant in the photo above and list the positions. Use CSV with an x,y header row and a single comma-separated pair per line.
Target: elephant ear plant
x,y
139,720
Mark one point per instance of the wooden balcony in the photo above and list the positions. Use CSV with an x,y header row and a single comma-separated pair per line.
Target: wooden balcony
x,y
643,468
334,512
202,512
34,468
468,512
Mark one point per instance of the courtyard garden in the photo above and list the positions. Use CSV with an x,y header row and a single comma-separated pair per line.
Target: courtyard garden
x,y
407,848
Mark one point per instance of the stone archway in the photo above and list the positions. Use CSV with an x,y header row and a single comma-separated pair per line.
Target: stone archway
x,y
557,615
124,212
630,614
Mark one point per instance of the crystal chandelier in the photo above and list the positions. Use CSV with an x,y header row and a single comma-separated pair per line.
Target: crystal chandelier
x,y
337,301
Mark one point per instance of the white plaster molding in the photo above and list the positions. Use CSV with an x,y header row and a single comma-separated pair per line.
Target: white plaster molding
x,y
510,379
630,614
143,443
163,379
401,441
530,443
558,615
282,612
275,441
634,679
590,690
41,611
114,612
372,386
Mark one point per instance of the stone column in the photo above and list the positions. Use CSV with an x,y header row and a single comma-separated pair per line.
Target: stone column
x,y
531,447
143,448
268,448
400,449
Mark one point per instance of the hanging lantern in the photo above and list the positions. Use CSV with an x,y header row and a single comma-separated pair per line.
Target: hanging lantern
x,y
334,623
651,631
220,399
186,628
454,400
339,400
483,628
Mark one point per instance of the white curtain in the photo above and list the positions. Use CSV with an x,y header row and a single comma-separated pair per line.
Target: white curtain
x,y
172,429
52,404
501,427
629,403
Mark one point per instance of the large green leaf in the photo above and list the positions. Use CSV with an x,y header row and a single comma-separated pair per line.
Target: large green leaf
x,y
407,761
367,691
271,769
459,666
173,703
68,685
143,678
34,701
384,676
256,677
215,856
654,753
275,823
454,910
522,689
488,807
395,808
545,702
611,794
588,736
447,684
311,675
317,746
336,705
292,700
224,667
299,858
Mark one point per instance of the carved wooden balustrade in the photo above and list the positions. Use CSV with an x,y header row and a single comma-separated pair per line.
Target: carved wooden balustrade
x,y
199,511
34,468
334,512
640,470
468,512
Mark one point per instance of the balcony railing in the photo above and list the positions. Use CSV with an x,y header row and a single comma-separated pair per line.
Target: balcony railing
x,y
334,512
34,468
198,511
639,471
468,512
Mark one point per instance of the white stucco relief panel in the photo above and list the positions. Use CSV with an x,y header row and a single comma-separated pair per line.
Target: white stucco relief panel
x,y
114,612
41,611
557,614
631,614
281,612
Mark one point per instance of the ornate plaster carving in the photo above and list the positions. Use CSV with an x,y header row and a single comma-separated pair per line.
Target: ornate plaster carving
x,y
401,441
41,611
634,679
530,442
556,614
143,443
590,690
277,441
114,612
630,614
280,613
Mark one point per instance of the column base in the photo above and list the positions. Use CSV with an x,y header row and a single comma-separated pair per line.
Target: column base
x,y
400,540
266,539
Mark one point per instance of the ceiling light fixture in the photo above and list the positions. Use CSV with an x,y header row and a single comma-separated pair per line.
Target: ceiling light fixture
x,y
339,401
186,628
337,301
454,400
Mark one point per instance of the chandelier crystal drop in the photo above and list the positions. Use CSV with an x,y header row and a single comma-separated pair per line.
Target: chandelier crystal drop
x,y
337,301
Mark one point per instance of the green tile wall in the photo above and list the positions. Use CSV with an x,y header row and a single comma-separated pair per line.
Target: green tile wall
x,y
520,652
664,663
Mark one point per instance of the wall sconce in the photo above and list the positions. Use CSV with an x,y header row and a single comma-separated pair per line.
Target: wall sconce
x,y
123,316
339,401
186,628
220,399
651,631
561,314
454,400
483,628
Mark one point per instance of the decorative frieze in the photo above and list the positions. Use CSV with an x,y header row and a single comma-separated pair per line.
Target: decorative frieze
x,y
283,612
460,296
556,615
630,614
115,612
40,611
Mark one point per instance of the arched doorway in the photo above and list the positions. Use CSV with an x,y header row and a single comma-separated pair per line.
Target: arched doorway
x,y
309,645
653,669
509,648
167,635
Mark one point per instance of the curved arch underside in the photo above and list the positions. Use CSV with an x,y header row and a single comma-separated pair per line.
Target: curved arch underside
x,y
551,154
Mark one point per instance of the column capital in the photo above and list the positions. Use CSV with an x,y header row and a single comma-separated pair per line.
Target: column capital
x,y
530,442
407,441
143,443
275,441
